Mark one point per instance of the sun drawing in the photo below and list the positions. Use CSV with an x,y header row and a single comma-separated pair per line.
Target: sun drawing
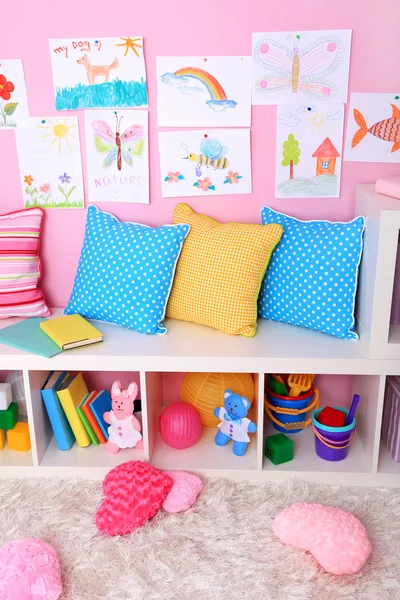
x,y
130,43
317,123
60,132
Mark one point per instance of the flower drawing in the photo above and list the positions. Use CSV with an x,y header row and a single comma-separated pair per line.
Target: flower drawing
x,y
174,177
45,194
65,178
232,177
6,87
204,184
30,191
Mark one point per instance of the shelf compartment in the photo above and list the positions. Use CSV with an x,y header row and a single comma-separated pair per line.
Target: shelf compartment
x,y
48,454
377,273
204,455
306,459
336,391
395,312
91,456
387,465
14,458
191,347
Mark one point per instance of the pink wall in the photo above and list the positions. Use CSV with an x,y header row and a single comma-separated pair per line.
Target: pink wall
x,y
188,28
335,390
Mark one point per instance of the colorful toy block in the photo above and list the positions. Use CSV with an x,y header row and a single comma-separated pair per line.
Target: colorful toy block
x,y
5,395
1,439
19,438
9,417
331,417
279,448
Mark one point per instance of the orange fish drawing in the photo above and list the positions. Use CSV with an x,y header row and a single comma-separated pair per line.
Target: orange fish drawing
x,y
387,130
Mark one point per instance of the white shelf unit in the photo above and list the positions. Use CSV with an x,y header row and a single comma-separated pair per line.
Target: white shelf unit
x,y
377,272
191,348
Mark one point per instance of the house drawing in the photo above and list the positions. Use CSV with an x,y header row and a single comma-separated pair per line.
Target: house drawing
x,y
326,155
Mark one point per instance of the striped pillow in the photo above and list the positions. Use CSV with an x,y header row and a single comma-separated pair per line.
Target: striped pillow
x,y
20,269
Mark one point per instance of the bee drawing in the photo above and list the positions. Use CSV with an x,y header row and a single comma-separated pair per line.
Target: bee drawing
x,y
117,146
212,154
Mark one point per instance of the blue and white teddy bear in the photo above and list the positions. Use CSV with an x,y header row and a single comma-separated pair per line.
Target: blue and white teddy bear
x,y
234,423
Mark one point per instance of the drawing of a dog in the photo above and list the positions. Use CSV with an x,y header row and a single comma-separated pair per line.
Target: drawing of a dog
x,y
93,71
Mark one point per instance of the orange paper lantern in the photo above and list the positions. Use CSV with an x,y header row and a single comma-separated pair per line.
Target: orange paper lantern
x,y
205,391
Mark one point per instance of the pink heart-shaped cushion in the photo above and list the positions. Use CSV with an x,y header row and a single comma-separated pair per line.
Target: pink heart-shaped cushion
x,y
337,539
185,489
29,570
134,493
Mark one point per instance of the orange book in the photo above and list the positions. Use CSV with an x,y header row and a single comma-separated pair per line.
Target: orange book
x,y
90,417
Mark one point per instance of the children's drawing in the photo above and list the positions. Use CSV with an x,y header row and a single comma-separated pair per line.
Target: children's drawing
x,y
202,163
196,91
50,163
233,177
219,100
115,145
131,44
373,128
117,156
290,65
14,112
212,153
174,177
94,71
98,73
309,146
204,184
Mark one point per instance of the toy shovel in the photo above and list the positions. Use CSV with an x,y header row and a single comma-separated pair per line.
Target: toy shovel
x,y
299,383
353,408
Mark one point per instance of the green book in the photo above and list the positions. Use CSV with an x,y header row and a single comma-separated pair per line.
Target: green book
x,y
27,335
84,420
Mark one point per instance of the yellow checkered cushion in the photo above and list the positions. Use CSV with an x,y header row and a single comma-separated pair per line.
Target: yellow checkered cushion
x,y
219,272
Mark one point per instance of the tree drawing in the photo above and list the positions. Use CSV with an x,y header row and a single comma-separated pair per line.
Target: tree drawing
x,y
291,153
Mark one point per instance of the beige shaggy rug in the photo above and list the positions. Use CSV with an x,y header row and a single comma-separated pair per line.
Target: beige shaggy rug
x,y
221,549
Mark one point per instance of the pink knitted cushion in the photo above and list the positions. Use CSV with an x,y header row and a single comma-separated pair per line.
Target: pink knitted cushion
x,y
135,491
335,538
186,487
29,570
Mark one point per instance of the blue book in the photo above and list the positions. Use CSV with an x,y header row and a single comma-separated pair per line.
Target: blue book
x,y
100,405
27,335
62,430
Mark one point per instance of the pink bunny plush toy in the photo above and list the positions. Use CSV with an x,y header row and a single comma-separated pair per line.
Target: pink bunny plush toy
x,y
124,430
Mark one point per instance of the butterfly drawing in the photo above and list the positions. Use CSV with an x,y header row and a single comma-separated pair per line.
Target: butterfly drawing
x,y
118,146
299,70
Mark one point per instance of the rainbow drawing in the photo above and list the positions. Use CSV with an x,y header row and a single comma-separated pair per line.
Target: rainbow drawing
x,y
179,78
213,86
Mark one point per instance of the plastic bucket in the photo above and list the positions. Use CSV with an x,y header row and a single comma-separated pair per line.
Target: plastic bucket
x,y
332,443
288,414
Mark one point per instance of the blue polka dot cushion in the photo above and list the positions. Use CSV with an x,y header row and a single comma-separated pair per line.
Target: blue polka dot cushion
x,y
125,272
312,277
